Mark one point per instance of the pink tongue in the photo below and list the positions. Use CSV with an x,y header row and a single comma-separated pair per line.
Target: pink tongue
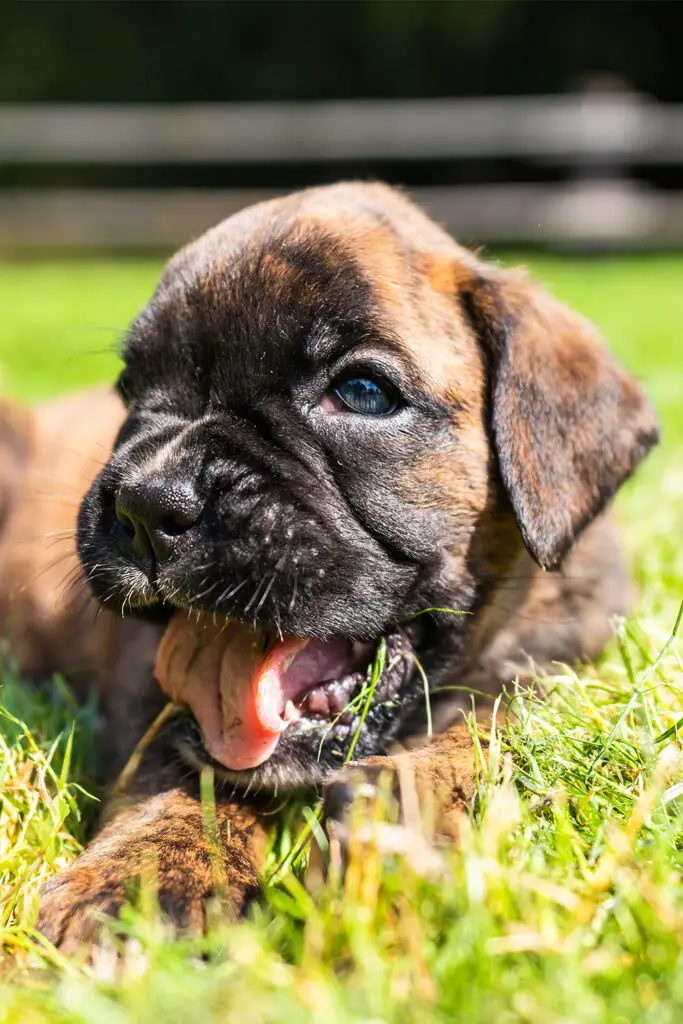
x,y
236,692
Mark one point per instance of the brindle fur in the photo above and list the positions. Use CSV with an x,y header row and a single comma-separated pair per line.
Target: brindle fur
x,y
544,425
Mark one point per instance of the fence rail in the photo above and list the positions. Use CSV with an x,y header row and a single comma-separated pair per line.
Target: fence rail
x,y
612,133
600,213
626,125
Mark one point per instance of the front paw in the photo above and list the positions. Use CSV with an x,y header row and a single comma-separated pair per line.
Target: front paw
x,y
411,803
161,843
76,903
368,815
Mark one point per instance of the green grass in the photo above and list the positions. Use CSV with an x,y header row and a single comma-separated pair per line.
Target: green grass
x,y
62,321
563,900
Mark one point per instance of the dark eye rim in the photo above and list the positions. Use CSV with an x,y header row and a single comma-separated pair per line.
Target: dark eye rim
x,y
122,386
379,381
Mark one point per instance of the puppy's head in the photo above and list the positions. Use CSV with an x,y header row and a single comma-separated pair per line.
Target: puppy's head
x,y
337,419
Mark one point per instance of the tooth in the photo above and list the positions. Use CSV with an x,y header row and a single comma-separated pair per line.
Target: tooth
x,y
290,714
317,703
336,701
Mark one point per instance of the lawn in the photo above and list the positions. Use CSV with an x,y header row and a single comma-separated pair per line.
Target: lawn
x,y
562,903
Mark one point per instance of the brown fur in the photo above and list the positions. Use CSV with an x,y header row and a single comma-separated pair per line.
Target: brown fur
x,y
518,350
56,450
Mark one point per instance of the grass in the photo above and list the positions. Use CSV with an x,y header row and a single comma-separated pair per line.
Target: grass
x,y
562,902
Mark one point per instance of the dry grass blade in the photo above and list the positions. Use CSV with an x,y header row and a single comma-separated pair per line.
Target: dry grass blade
x,y
133,763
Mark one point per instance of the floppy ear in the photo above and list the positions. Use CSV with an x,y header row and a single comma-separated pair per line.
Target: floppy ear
x,y
568,424
15,429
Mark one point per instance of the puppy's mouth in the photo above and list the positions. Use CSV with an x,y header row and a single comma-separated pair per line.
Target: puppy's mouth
x,y
248,691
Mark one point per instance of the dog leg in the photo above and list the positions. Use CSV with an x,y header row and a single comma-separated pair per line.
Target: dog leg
x,y
159,833
432,785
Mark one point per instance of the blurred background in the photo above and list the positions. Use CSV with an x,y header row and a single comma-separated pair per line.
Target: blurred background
x,y
548,131
135,125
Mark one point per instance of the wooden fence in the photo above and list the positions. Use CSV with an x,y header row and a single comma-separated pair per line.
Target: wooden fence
x,y
595,143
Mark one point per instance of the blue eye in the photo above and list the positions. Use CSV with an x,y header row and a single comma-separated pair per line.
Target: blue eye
x,y
365,396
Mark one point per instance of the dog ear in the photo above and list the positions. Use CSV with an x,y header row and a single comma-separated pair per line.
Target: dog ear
x,y
15,432
569,425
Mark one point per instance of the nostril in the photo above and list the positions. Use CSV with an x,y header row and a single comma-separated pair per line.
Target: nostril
x,y
125,522
174,525
133,531
150,519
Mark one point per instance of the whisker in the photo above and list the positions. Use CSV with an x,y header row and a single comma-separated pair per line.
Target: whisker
x,y
204,593
43,497
229,593
55,481
294,592
47,568
53,540
72,576
85,455
278,625
264,597
255,594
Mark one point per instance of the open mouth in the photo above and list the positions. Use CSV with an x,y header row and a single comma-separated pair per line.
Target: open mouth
x,y
249,690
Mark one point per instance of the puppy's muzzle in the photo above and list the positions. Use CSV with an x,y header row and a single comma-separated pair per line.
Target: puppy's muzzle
x,y
154,513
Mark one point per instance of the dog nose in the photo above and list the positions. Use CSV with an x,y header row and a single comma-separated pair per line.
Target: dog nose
x,y
154,515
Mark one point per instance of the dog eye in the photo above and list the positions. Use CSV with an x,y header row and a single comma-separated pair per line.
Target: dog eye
x,y
366,396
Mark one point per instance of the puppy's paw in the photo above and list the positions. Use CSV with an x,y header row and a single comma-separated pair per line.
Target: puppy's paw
x,y
357,791
366,819
76,903
160,846
73,906
409,804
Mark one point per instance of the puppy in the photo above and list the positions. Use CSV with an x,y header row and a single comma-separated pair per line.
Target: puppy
x,y
347,442
49,622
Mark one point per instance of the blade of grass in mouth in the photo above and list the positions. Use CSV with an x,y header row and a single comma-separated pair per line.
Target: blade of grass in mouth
x,y
418,663
361,702
377,670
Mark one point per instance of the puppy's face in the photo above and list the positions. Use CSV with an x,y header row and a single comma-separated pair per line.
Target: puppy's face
x,y
338,419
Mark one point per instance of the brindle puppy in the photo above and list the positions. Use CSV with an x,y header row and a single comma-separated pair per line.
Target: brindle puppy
x,y
337,418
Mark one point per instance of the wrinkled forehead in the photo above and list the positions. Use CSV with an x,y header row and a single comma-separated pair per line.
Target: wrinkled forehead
x,y
283,288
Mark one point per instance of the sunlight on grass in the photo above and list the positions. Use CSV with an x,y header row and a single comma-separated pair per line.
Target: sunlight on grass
x,y
562,900
43,755
63,321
